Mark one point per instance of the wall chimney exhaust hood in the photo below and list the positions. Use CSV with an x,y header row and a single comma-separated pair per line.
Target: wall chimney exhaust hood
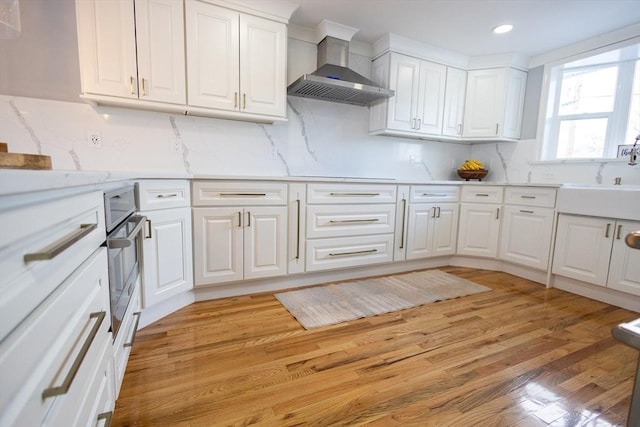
x,y
334,80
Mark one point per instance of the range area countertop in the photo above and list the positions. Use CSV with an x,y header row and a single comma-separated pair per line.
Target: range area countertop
x,y
16,181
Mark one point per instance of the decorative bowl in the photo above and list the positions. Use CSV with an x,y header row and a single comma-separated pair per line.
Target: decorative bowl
x,y
477,174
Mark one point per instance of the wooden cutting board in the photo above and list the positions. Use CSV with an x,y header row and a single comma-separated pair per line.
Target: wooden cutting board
x,y
22,161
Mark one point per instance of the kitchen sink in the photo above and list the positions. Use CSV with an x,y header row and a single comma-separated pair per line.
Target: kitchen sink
x,y
611,201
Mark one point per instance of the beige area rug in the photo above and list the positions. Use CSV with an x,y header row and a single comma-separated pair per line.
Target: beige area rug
x,y
336,303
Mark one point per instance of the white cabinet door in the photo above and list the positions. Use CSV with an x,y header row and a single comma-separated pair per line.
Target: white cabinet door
x,y
454,98
624,269
107,47
479,230
213,56
168,268
583,248
445,231
404,78
218,245
432,230
485,102
431,89
514,103
263,66
160,43
265,243
526,236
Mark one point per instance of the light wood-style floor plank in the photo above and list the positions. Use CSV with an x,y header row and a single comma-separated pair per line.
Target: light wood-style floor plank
x,y
520,355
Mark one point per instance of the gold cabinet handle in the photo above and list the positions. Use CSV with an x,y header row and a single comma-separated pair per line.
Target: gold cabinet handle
x,y
75,366
497,213
606,232
404,212
106,416
618,232
369,251
144,89
235,100
244,101
239,219
135,328
149,228
131,80
61,245
248,219
352,221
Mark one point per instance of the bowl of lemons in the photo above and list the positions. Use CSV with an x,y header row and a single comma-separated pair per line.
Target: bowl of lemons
x,y
472,169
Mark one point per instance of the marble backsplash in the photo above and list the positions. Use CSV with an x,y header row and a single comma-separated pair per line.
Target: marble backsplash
x,y
320,138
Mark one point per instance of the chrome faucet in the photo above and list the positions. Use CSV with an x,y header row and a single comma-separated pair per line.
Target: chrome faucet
x,y
634,153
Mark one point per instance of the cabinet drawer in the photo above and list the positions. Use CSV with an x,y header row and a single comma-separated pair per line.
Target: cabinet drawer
x,y
74,223
214,193
162,194
326,254
350,193
349,220
482,194
434,194
530,196
42,352
126,336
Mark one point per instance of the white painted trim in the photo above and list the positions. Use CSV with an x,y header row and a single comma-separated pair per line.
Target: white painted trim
x,y
308,35
277,10
396,43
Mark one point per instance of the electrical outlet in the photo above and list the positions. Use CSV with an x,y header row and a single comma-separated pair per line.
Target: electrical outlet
x,y
94,139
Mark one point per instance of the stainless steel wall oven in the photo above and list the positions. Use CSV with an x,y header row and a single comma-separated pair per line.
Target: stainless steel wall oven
x,y
124,244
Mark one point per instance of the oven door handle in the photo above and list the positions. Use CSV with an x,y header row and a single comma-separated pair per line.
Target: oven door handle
x,y
124,242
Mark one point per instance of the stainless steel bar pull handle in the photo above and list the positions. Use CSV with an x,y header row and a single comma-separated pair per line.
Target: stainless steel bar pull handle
x,y
144,89
404,212
131,80
235,100
243,194
354,194
75,366
606,232
298,229
526,211
239,219
167,196
149,228
244,101
618,232
528,197
433,213
248,219
135,328
413,123
497,128
369,251
350,221
497,213
106,416
56,248
438,212
460,129
434,194
482,195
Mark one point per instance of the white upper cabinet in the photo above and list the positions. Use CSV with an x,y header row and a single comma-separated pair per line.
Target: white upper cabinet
x,y
494,104
132,50
235,62
454,98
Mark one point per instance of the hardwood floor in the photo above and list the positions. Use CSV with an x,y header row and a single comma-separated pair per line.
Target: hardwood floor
x,y
520,355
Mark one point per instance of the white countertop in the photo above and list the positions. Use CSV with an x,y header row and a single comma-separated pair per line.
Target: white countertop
x,y
16,181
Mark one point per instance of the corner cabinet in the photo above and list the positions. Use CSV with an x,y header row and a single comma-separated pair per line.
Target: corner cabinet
x,y
132,49
240,231
235,61
479,230
494,104
167,244
593,250
426,95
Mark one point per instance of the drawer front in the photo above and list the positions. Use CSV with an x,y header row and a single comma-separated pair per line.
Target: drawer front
x,y
237,193
482,194
70,229
434,194
531,196
327,254
162,194
349,220
330,193
126,337
41,354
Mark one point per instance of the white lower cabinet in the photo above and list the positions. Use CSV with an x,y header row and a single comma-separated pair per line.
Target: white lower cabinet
x,y
479,230
432,230
593,250
235,243
526,236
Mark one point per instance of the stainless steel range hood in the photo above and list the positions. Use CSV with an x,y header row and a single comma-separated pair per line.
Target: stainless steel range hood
x,y
334,81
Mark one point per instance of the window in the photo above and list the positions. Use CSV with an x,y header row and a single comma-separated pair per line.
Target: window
x,y
593,105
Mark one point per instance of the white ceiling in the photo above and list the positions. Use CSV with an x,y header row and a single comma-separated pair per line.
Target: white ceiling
x,y
464,26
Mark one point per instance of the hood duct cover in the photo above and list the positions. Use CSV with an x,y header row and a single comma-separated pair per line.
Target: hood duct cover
x,y
334,81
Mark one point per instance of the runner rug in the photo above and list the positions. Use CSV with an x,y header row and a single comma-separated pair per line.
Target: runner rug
x,y
335,303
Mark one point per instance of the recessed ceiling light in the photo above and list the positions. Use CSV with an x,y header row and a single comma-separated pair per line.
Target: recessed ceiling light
x,y
501,29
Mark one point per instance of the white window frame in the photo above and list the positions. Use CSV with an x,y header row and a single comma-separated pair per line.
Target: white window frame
x,y
549,120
